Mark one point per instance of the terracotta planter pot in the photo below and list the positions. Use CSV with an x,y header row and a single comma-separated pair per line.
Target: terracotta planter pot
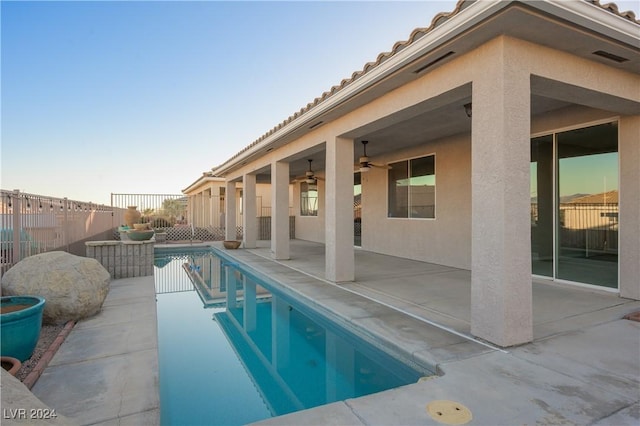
x,y
131,216
231,244
12,365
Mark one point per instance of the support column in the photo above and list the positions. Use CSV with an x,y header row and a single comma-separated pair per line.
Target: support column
x,y
250,312
231,285
230,211
501,295
340,380
249,217
629,215
280,210
280,327
340,262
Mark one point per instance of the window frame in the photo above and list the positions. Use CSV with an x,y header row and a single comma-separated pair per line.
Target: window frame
x,y
408,162
308,212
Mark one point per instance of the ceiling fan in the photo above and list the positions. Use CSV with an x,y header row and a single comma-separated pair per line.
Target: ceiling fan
x,y
309,177
364,164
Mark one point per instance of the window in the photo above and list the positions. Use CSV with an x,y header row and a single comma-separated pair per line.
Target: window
x,y
574,205
308,199
412,188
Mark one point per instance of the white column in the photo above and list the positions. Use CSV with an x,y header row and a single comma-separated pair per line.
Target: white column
x,y
192,209
340,262
340,372
232,286
280,348
213,209
230,211
280,210
501,297
249,217
250,309
629,224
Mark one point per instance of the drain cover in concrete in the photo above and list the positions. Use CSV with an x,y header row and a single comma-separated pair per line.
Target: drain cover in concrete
x,y
449,412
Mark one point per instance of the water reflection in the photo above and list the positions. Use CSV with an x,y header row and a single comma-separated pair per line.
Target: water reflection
x,y
300,362
295,358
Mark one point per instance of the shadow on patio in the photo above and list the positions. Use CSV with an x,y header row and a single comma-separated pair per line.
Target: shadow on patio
x,y
441,295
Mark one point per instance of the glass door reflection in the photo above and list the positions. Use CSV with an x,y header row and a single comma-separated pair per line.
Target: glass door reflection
x,y
574,205
588,205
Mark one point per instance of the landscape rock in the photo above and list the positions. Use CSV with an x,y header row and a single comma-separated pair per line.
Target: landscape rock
x,y
74,287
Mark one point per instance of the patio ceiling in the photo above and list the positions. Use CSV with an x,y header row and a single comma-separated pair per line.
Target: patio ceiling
x,y
406,129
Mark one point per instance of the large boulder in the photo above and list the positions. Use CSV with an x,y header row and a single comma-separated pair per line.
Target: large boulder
x,y
74,287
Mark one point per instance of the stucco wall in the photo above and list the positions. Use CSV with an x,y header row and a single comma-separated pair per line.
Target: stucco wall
x,y
309,228
445,239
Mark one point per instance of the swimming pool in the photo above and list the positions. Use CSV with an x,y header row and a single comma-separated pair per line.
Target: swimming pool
x,y
234,349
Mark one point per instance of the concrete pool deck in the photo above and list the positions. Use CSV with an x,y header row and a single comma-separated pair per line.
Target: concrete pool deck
x,y
106,371
582,368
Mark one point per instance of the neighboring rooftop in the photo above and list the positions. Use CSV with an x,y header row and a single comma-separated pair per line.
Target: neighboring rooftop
x,y
609,197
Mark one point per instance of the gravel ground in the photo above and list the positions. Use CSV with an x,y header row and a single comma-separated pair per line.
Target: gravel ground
x,y
48,334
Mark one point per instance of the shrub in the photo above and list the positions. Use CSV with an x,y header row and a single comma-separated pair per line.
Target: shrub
x,y
161,222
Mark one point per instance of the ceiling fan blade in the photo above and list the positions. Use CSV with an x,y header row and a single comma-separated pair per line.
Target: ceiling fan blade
x,y
381,166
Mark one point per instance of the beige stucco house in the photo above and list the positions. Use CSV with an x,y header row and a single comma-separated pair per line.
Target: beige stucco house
x,y
477,128
206,202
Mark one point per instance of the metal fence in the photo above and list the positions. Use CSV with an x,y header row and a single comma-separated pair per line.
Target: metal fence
x,y
33,224
167,209
586,226
172,279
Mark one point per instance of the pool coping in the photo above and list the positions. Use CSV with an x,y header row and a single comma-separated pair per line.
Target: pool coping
x,y
571,376
550,379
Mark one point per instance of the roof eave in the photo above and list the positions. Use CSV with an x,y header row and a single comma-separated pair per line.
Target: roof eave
x,y
583,13
201,181
462,21
594,17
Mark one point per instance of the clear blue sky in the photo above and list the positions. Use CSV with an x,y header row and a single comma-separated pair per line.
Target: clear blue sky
x,y
142,97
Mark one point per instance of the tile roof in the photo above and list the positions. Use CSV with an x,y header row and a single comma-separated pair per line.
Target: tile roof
x,y
613,8
416,34
610,197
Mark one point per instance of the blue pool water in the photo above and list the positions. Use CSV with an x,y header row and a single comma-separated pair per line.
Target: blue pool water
x,y
228,360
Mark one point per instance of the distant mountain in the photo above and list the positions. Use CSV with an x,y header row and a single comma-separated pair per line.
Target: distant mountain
x,y
569,198
563,199
611,197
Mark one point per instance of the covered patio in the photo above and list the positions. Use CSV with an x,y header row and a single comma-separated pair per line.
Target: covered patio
x,y
451,120
437,295
421,312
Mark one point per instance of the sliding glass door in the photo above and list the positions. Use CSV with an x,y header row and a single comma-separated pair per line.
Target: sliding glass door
x,y
542,206
574,205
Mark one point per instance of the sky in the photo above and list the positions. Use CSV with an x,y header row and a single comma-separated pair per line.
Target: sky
x,y
142,96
